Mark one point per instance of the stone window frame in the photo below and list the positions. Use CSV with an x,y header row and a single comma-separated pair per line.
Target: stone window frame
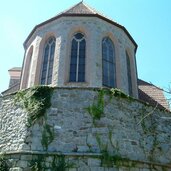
x,y
27,68
109,63
30,67
131,54
116,43
42,60
129,73
87,34
78,41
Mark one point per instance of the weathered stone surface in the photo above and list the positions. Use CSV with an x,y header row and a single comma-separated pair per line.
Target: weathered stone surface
x,y
94,162
119,130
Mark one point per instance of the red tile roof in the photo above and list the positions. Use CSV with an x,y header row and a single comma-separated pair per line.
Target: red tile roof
x,y
15,69
82,10
151,94
12,89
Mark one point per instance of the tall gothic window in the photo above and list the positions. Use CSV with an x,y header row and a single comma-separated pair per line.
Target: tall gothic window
x,y
129,74
108,63
48,58
77,64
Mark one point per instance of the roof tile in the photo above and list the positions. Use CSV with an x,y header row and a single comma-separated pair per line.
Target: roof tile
x,y
151,94
80,8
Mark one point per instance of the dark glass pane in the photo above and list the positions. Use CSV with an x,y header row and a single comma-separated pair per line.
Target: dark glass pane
x,y
105,72
50,72
73,61
52,51
51,59
49,80
44,74
79,36
50,64
81,61
72,77
111,75
105,66
74,44
108,62
81,68
50,40
129,74
104,51
45,61
74,52
73,68
111,56
82,45
112,83
81,77
105,81
45,67
46,54
111,68
42,81
82,54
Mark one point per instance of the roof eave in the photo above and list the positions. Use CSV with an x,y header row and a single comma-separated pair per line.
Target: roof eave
x,y
81,15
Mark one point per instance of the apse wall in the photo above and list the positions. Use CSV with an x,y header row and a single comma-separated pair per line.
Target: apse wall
x,y
95,30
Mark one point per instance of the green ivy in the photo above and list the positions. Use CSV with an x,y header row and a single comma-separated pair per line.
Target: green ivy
x,y
149,129
97,108
47,135
111,160
35,101
38,164
114,92
114,160
3,163
58,163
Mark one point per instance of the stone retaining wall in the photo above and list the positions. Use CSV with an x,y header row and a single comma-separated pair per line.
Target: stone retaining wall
x,y
126,131
26,161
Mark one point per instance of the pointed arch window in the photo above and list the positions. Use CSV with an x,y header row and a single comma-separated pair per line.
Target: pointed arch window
x,y
108,63
77,64
129,74
48,58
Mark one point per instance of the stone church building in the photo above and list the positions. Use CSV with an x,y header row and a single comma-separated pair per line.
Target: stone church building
x,y
101,117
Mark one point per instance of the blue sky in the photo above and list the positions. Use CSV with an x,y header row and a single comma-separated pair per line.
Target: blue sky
x,y
148,21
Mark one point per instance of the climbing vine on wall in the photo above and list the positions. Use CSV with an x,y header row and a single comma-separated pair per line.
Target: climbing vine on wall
x,y
35,101
97,108
47,135
111,160
57,163
3,163
149,126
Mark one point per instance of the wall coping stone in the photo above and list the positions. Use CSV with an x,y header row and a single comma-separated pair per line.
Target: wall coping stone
x,y
94,89
76,154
